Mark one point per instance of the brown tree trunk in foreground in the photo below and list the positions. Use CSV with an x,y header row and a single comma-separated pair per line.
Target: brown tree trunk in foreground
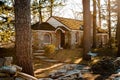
x,y
87,29
23,35
118,29
109,23
99,11
94,23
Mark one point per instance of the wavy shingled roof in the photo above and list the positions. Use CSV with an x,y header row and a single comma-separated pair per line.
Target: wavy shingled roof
x,y
70,23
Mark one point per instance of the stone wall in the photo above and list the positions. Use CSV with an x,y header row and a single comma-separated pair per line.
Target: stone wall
x,y
102,39
38,38
76,38
73,38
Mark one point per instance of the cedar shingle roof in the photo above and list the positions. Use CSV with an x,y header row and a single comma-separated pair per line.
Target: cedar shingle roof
x,y
70,23
100,30
42,26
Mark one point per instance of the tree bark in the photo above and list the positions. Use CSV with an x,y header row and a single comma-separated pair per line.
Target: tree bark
x,y
23,35
87,29
109,22
94,23
99,11
40,13
118,29
51,7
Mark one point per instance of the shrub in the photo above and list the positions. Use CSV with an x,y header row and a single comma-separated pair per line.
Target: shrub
x,y
49,48
104,67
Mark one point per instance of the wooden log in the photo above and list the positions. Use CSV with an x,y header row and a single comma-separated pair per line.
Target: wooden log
x,y
25,76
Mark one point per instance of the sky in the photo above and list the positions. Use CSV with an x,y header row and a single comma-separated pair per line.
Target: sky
x,y
75,5
71,5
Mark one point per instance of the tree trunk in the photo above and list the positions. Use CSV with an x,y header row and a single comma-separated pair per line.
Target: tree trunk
x,y
94,24
109,22
40,13
87,29
118,29
23,35
51,7
99,11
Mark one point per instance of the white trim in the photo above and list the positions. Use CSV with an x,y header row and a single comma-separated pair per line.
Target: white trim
x,y
59,23
59,29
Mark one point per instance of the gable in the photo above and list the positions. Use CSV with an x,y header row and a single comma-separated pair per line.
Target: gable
x,y
43,26
52,21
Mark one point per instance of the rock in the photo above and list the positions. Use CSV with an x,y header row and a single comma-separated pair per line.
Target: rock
x,y
8,61
56,75
67,72
7,78
80,67
117,78
8,69
19,78
70,66
114,77
2,60
4,75
69,75
117,62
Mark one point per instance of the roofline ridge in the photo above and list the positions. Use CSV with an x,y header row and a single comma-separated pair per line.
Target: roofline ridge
x,y
66,18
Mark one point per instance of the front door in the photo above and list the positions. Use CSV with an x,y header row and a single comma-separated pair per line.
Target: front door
x,y
62,41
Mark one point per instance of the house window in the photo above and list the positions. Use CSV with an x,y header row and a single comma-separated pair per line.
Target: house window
x,y
47,38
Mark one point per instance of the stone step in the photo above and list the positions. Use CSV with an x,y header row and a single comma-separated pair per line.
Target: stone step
x,y
38,54
40,57
40,51
43,58
50,60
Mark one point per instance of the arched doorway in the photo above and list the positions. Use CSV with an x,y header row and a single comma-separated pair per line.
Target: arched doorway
x,y
60,38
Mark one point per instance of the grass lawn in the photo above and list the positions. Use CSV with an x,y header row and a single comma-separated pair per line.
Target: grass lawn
x,y
66,55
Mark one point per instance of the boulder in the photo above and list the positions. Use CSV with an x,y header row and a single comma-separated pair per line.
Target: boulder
x,y
2,60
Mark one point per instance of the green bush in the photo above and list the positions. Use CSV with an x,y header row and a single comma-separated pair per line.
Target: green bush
x,y
49,48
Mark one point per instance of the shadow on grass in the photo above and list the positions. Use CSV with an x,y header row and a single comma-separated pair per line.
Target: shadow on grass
x,y
111,52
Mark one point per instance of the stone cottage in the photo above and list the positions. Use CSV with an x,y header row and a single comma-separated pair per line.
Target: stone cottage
x,y
102,37
61,32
